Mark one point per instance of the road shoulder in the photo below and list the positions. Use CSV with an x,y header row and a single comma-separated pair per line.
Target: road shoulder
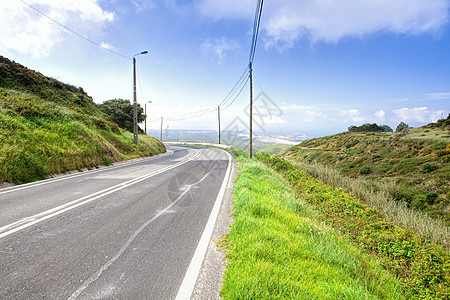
x,y
209,281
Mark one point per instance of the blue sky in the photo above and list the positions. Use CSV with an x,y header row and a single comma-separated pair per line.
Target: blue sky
x,y
324,64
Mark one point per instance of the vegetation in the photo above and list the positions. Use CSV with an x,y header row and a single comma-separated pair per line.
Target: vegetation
x,y
370,128
120,111
407,165
279,247
379,198
48,127
422,266
274,149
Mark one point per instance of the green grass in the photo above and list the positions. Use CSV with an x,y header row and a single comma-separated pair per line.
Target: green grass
x,y
278,250
274,149
47,127
378,196
422,266
416,162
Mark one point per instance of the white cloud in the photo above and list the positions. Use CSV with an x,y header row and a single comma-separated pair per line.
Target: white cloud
x,y
417,114
380,114
107,46
352,115
286,22
219,47
26,31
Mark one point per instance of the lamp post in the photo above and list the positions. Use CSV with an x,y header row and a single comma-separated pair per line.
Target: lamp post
x,y
146,116
135,118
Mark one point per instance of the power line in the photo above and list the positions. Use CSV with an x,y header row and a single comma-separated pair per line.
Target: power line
x,y
235,87
240,91
74,32
256,25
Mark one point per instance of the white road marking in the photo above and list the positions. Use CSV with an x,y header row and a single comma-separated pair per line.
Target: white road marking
x,y
190,278
27,222
95,276
51,180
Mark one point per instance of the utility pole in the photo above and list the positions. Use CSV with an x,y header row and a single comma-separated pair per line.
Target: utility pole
x,y
135,132
135,117
218,113
161,128
251,111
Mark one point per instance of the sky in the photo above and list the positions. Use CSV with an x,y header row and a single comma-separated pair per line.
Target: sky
x,y
320,65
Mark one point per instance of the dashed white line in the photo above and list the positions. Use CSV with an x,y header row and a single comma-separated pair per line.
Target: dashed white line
x,y
27,222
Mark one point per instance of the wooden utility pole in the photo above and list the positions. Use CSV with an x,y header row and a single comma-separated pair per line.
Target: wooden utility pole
x,y
161,128
251,111
218,113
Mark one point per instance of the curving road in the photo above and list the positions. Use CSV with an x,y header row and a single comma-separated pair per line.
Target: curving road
x,y
132,231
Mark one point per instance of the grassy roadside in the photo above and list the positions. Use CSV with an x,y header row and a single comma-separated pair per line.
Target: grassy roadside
x,y
278,250
422,266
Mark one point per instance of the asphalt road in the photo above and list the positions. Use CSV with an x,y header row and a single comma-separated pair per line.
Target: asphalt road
x,y
130,231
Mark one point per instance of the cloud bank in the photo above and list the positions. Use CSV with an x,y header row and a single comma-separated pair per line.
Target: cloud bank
x,y
288,21
26,31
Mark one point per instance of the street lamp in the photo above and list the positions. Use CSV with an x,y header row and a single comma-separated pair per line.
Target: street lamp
x,y
135,118
146,116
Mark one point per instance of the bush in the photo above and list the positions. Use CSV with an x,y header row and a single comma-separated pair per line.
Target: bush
x,y
427,168
370,128
376,156
365,170
431,197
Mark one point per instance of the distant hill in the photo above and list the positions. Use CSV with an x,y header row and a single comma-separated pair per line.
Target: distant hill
x,y
49,127
417,160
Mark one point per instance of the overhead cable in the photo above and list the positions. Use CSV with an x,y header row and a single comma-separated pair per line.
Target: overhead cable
x,y
256,25
74,32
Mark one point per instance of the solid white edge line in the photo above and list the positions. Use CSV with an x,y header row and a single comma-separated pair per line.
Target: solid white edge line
x,y
120,164
29,221
190,278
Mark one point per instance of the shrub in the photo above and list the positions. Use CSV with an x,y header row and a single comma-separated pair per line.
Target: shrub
x,y
365,170
427,168
376,156
431,197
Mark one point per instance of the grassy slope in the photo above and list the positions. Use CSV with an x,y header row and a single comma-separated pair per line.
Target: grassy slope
x,y
274,149
422,267
416,162
277,249
47,127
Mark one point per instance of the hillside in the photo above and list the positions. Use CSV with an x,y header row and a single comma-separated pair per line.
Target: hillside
x,y
414,165
48,127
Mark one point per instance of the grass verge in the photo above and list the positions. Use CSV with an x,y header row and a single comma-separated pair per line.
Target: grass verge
x,y
422,266
277,248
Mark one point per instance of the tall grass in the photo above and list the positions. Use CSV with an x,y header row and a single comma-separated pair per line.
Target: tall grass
x,y
421,265
278,250
39,138
380,199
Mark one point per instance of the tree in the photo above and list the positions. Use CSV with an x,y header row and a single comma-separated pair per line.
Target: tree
x,y
120,111
370,128
401,127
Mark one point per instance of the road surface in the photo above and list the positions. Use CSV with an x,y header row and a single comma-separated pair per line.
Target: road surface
x,y
129,231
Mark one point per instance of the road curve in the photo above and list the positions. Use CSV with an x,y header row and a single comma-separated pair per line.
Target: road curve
x,y
130,231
